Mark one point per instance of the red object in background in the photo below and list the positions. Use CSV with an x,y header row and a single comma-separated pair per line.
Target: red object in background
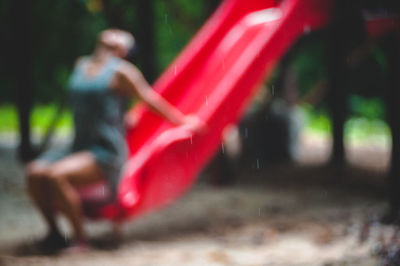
x,y
378,25
214,78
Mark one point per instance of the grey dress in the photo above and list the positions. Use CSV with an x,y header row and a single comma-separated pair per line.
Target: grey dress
x,y
98,118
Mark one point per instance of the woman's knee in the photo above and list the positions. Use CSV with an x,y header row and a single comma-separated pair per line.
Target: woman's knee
x,y
36,173
37,169
57,175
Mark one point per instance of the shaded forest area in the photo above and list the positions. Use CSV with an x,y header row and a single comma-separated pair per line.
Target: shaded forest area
x,y
46,37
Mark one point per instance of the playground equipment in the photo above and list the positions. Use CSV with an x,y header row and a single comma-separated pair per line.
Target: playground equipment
x,y
214,78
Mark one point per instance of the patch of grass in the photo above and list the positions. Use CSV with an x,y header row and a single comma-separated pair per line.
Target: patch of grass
x,y
41,117
357,130
8,118
316,122
360,130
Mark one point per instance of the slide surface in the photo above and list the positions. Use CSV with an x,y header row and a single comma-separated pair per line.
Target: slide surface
x,y
214,78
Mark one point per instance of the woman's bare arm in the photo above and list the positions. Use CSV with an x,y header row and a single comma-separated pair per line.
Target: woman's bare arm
x,y
130,81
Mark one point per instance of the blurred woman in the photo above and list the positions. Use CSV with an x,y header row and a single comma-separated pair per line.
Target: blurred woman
x,y
99,85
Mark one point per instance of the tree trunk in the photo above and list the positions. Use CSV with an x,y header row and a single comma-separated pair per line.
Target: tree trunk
x,y
21,63
347,33
146,39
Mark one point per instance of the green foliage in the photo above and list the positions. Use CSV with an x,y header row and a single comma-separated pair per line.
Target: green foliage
x,y
41,116
8,118
358,129
317,121
176,22
310,63
368,108
361,129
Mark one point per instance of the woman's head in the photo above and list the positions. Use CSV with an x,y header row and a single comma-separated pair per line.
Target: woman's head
x,y
118,41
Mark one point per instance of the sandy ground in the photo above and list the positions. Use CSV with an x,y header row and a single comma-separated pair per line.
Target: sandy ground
x,y
302,214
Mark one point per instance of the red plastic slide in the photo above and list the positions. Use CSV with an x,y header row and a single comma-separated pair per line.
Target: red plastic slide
x,y
213,78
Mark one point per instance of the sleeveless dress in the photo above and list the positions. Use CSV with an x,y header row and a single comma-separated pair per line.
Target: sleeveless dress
x,y
98,118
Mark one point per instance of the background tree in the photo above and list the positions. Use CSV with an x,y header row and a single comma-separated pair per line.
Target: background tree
x,y
20,61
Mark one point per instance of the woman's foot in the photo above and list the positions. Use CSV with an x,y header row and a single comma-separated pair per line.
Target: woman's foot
x,y
76,247
53,242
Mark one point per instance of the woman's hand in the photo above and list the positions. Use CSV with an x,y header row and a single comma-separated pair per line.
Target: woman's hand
x,y
193,123
130,120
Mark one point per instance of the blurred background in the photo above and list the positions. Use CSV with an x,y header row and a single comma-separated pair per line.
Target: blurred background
x,y
45,38
276,208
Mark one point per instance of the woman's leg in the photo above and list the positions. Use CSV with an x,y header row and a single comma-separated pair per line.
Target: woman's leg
x,y
39,190
68,174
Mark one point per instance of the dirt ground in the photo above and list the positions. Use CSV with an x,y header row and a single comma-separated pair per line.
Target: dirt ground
x,y
300,214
